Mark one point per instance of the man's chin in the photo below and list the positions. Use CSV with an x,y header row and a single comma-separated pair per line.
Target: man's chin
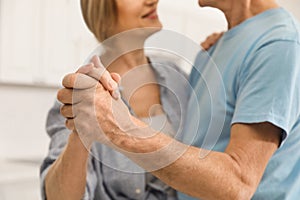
x,y
203,4
200,3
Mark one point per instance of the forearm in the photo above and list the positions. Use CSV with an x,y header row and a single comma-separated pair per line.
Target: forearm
x,y
217,176
66,178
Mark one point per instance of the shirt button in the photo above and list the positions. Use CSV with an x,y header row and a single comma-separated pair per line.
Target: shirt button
x,y
138,191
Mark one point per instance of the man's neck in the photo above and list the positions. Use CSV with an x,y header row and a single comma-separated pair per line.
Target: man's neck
x,y
239,11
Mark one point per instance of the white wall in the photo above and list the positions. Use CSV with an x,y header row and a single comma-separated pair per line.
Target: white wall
x,y
292,5
23,140
188,18
41,40
23,114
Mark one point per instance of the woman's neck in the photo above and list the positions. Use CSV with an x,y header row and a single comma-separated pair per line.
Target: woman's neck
x,y
128,61
124,52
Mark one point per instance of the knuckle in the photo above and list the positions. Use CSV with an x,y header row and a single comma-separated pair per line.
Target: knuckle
x,y
66,79
60,95
100,86
67,124
105,78
70,124
69,80
66,111
72,79
62,110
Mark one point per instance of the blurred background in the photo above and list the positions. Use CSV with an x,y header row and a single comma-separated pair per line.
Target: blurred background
x,y
41,41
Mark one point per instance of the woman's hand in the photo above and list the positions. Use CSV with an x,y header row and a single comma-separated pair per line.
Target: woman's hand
x,y
97,71
211,40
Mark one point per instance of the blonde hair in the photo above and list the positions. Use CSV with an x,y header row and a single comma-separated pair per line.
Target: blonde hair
x,y
100,17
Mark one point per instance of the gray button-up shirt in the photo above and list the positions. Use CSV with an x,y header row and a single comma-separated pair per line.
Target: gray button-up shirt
x,y
111,175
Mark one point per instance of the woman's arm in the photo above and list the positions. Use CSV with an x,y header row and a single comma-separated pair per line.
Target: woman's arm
x,y
66,178
64,170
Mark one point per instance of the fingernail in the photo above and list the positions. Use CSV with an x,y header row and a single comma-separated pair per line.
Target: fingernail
x,y
112,84
96,61
116,94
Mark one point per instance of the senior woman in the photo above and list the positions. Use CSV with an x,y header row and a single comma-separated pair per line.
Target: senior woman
x,y
73,170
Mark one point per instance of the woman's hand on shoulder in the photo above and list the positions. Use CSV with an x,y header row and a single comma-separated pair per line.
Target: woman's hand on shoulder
x,y
211,40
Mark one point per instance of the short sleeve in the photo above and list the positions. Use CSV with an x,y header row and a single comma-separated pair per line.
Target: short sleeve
x,y
269,86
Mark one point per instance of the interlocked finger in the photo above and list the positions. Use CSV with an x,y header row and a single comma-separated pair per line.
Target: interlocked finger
x,y
116,77
97,71
67,111
103,75
79,81
70,124
65,96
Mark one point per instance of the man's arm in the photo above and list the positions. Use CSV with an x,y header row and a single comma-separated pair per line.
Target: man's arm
x,y
234,174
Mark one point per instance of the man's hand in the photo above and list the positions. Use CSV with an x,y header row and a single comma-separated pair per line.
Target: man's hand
x,y
89,108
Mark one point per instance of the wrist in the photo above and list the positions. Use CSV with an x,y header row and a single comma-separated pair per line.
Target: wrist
x,y
138,138
75,144
153,152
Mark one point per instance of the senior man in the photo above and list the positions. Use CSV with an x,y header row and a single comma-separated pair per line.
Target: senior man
x,y
256,155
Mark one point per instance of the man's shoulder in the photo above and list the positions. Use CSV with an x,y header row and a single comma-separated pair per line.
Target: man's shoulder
x,y
284,27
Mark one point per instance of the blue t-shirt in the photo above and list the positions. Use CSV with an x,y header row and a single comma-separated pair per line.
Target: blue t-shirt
x,y
254,78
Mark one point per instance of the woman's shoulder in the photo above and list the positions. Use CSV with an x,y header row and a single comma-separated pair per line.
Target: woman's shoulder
x,y
166,64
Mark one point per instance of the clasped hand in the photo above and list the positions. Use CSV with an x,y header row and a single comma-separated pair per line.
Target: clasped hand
x,y
92,105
